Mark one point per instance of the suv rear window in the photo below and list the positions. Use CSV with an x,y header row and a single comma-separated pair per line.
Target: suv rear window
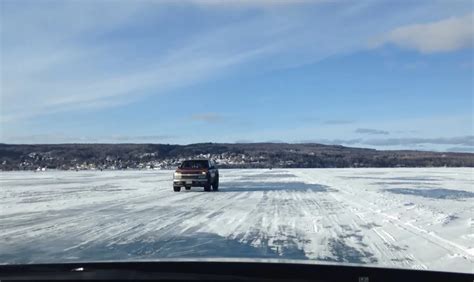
x,y
195,164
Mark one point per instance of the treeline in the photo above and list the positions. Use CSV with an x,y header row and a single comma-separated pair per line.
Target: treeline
x,y
246,155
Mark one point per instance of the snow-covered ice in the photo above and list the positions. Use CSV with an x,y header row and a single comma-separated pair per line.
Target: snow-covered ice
x,y
410,218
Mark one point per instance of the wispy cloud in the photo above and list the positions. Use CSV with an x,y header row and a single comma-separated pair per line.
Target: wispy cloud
x,y
63,74
442,36
371,131
54,138
78,56
72,60
460,149
142,138
243,141
460,140
336,141
178,69
274,141
64,53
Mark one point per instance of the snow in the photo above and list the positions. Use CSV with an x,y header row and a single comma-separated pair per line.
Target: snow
x,y
405,218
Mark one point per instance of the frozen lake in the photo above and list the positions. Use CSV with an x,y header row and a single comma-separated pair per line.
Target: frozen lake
x,y
411,218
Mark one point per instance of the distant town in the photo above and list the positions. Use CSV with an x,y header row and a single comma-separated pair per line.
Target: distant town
x,y
246,155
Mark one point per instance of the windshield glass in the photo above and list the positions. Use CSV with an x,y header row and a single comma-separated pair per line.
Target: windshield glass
x,y
195,164
327,131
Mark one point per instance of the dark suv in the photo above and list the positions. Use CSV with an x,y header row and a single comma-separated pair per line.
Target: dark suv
x,y
196,173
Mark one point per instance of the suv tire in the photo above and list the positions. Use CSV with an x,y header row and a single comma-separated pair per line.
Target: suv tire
x,y
176,188
215,185
207,188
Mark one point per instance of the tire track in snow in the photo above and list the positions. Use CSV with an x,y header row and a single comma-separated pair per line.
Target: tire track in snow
x,y
266,215
377,214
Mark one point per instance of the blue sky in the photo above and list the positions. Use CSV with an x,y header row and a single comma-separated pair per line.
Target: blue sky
x,y
378,74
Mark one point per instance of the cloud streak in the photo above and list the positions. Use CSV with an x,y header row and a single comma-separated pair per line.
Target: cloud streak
x,y
56,138
456,142
64,63
371,131
64,74
460,140
77,56
461,149
442,36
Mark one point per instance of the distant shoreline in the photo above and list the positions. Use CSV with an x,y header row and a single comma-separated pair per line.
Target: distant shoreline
x,y
227,155
229,169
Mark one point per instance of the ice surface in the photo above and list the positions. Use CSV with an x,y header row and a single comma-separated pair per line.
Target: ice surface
x,y
409,218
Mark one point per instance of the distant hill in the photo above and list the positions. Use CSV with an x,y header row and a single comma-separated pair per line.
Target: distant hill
x,y
239,155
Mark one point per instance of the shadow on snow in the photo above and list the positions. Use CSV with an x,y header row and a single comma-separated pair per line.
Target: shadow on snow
x,y
194,245
250,186
433,193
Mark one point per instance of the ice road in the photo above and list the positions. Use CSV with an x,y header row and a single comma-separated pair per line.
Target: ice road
x,y
410,218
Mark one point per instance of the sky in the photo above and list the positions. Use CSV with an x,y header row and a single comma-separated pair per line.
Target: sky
x,y
375,74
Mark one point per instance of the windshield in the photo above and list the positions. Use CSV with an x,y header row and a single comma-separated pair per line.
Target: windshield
x,y
195,164
329,131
